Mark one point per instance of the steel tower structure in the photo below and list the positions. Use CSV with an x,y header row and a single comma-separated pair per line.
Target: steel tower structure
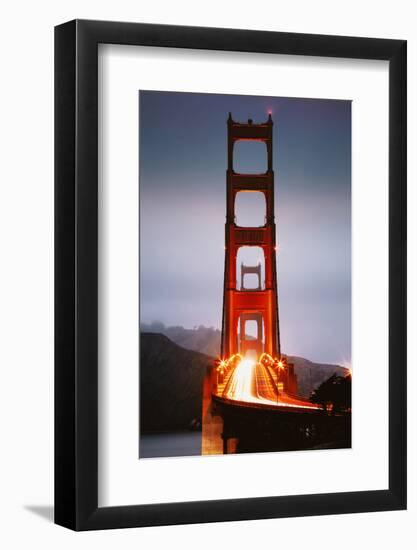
x,y
260,304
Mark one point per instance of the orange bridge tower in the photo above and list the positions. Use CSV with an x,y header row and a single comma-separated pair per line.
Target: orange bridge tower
x,y
259,304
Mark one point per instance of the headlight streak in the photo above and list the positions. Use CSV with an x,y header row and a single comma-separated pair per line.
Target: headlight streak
x,y
245,382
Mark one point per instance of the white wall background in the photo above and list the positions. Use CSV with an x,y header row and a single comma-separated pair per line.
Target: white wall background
x,y
26,288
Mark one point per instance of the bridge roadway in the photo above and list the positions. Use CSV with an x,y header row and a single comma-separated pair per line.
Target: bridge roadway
x,y
253,384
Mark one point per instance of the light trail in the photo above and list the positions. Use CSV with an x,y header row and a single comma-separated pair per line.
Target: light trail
x,y
251,382
240,386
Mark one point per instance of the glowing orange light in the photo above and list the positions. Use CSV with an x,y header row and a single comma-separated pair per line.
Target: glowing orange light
x,y
243,387
240,387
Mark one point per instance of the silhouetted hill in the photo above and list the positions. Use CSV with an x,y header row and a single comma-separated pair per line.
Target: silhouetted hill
x,y
171,379
202,339
310,375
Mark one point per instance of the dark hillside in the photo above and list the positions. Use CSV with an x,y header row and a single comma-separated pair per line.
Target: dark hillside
x,y
171,379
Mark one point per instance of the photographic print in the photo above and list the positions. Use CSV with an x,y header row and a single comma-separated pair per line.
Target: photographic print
x,y
245,274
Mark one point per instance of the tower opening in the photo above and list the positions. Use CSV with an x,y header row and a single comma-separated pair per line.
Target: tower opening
x,y
250,268
250,157
251,330
250,281
250,209
251,334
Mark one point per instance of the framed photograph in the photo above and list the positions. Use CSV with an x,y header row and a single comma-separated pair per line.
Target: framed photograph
x,y
230,284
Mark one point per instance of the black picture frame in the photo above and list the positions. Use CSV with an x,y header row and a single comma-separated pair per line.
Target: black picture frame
x,y
76,272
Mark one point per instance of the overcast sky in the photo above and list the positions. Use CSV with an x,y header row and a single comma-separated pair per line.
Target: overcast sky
x,y
182,213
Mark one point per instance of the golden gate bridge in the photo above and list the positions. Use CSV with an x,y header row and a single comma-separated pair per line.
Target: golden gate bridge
x,y
250,399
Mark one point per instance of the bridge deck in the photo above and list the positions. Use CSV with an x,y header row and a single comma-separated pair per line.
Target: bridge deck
x,y
252,384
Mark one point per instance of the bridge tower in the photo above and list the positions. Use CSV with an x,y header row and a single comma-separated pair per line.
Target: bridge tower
x,y
260,304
